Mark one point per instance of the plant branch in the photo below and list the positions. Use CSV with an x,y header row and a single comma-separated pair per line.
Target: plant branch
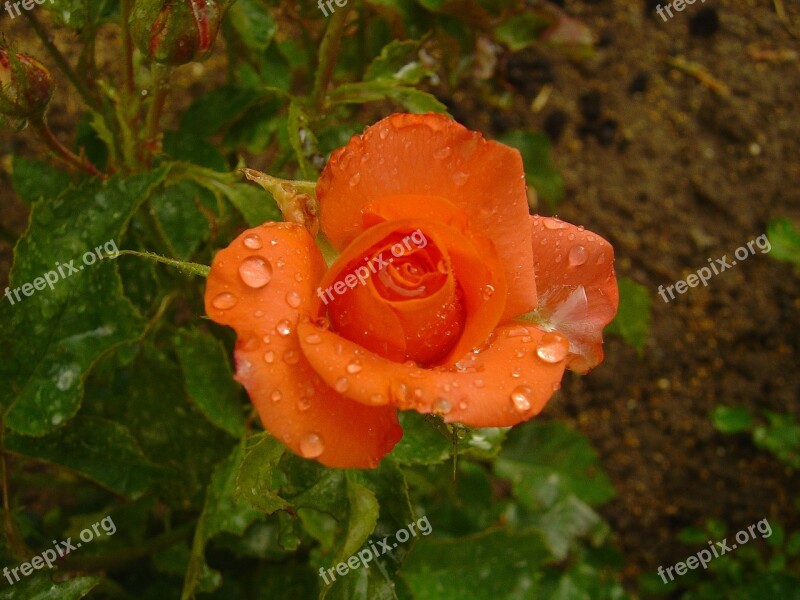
x,y
127,48
41,128
14,540
187,267
328,52
152,141
62,63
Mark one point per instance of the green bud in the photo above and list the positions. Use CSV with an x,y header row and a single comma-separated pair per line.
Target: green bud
x,y
26,86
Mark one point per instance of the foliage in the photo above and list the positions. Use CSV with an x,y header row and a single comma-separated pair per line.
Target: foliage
x,y
118,397
777,433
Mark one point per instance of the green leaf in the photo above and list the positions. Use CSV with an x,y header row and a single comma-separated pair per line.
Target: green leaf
x,y
40,586
423,442
113,459
34,180
253,23
521,30
222,512
57,334
184,226
254,481
784,238
190,147
373,91
77,14
208,378
493,565
255,204
547,461
302,140
399,61
566,521
632,322
781,437
539,170
212,112
732,419
361,518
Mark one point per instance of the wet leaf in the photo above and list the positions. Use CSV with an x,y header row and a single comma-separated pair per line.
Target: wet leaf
x,y
632,322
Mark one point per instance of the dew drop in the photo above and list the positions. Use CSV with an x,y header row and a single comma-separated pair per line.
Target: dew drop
x,y
354,367
601,259
255,271
462,405
252,241
341,385
400,392
283,327
460,178
577,256
377,399
311,445
521,398
313,338
553,348
293,299
442,406
443,152
478,383
516,372
553,224
276,396
517,332
290,357
487,291
267,339
383,133
258,314
269,357
556,386
303,404
224,301
355,179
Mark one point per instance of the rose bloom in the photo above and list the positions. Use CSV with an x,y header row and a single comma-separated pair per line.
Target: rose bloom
x,y
447,297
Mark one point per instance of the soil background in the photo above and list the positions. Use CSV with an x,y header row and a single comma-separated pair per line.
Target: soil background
x,y
672,173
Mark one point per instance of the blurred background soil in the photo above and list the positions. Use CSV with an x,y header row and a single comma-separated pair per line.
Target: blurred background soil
x,y
672,171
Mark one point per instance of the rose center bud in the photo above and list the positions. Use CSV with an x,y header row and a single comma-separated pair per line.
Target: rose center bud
x,y
405,304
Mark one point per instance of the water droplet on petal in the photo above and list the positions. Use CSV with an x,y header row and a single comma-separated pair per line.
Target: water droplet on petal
x,y
377,399
290,357
283,327
601,259
255,271
341,385
556,386
311,445
551,223
400,392
355,179
252,241
521,398
293,299
303,404
517,331
577,256
516,372
267,339
462,405
383,133
478,383
258,314
487,291
313,338
224,301
460,178
442,406
443,153
269,357
552,348
276,396
354,367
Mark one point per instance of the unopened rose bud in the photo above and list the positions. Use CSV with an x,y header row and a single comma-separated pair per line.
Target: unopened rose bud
x,y
175,32
26,86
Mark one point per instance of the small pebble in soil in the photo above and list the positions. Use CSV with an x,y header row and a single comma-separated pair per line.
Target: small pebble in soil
x,y
555,123
705,22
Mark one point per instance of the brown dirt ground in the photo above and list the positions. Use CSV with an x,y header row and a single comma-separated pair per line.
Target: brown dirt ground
x,y
671,174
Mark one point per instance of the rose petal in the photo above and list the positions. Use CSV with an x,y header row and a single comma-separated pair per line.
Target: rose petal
x,y
432,155
261,285
476,270
578,293
506,383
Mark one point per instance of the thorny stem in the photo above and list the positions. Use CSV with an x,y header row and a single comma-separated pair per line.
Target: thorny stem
x,y
152,142
328,52
62,63
127,48
11,532
41,128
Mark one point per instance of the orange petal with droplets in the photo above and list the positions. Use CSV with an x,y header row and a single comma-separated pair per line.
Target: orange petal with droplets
x,y
477,271
262,285
578,294
507,382
432,155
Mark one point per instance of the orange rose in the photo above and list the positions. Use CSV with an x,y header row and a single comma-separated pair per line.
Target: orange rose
x,y
422,310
